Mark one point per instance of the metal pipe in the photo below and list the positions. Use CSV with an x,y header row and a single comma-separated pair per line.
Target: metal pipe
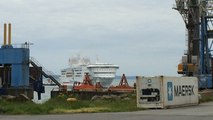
x,y
5,34
9,34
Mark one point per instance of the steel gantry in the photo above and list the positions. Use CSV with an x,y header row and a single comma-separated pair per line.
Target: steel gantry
x,y
198,18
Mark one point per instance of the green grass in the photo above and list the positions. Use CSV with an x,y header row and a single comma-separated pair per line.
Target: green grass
x,y
206,98
59,105
23,108
116,106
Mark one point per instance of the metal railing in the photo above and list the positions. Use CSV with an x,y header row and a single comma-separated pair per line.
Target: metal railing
x,y
20,45
50,74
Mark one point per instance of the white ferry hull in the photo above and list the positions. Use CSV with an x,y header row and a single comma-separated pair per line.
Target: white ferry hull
x,y
105,82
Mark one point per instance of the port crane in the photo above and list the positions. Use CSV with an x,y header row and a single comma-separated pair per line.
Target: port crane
x,y
197,59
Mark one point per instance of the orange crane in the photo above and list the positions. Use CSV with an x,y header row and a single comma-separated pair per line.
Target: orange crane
x,y
86,85
122,87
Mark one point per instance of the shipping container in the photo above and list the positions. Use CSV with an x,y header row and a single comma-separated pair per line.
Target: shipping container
x,y
166,92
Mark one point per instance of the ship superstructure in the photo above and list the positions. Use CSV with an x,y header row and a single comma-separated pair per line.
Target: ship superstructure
x,y
98,72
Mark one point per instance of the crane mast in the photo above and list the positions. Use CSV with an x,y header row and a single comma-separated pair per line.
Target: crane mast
x,y
189,10
198,18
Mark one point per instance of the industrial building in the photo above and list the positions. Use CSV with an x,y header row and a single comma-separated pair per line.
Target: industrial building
x,y
20,74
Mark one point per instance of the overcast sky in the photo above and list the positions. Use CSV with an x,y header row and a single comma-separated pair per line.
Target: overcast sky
x,y
143,37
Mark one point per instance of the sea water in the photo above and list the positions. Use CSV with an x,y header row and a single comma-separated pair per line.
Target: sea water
x,y
47,95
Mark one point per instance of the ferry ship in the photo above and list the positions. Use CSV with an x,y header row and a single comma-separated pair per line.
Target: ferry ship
x,y
99,72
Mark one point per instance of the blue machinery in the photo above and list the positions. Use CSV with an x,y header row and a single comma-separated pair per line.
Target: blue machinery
x,y
197,61
16,75
206,42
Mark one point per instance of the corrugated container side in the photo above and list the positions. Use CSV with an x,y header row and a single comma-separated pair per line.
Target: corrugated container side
x,y
180,91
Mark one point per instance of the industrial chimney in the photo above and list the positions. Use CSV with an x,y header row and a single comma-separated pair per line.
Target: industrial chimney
x,y
7,33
